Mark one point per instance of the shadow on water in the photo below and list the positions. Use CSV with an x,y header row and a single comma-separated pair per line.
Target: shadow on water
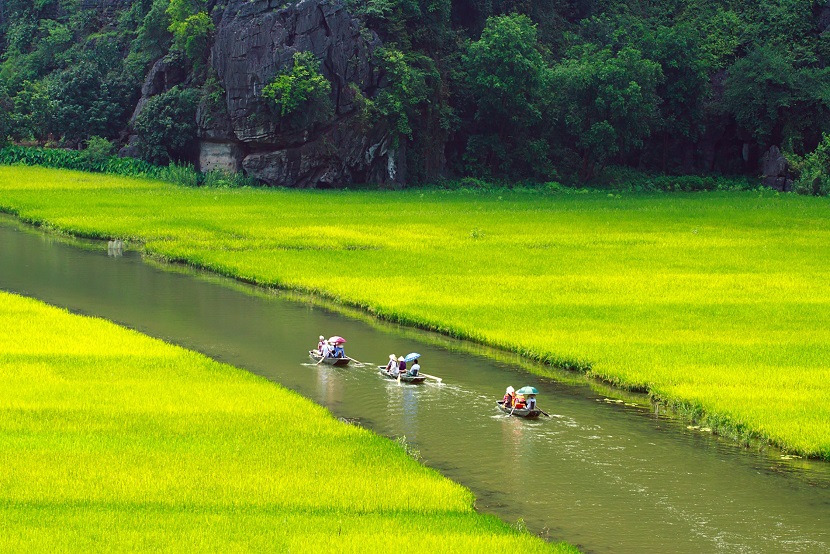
x,y
608,476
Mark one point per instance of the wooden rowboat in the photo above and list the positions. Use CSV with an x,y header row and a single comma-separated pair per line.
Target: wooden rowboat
x,y
314,355
520,412
404,378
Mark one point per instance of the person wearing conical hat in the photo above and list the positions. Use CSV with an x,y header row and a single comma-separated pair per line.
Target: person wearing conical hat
x,y
509,397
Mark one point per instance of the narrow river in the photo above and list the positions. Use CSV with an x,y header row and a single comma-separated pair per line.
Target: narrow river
x,y
605,476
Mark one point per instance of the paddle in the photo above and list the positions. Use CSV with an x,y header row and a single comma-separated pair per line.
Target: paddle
x,y
428,376
543,411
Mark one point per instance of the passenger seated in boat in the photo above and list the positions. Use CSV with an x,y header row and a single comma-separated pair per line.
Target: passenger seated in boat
x,y
520,402
413,371
327,351
509,396
339,352
321,344
531,401
401,365
392,364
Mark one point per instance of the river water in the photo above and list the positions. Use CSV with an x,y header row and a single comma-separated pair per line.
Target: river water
x,y
605,475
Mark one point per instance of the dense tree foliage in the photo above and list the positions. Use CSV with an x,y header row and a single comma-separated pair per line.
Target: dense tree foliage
x,y
167,125
539,89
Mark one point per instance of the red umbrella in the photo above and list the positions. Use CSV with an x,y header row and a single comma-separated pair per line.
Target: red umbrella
x,y
337,340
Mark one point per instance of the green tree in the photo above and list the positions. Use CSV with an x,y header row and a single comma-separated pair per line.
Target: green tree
x,y
508,78
191,27
167,125
300,94
32,112
152,38
6,107
684,90
608,101
776,101
406,88
82,104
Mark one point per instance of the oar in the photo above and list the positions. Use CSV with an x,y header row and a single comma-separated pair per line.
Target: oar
x,y
543,411
428,376
320,360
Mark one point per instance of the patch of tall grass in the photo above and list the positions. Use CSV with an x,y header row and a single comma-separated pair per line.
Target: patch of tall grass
x,y
717,303
112,440
95,159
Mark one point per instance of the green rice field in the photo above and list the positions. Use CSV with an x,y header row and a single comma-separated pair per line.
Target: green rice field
x,y
114,441
716,303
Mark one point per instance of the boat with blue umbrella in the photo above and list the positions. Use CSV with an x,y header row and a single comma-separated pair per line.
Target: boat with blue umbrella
x,y
408,377
528,410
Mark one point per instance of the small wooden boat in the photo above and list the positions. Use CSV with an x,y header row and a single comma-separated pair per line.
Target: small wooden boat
x,y
520,412
404,378
314,355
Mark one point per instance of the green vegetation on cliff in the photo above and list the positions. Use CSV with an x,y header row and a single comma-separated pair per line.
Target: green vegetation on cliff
x,y
546,90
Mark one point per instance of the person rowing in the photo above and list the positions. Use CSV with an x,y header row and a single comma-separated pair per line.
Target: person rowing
x,y
416,367
321,344
509,397
392,364
327,350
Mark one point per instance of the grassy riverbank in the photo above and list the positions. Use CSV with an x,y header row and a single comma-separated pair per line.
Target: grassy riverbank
x,y
112,440
716,302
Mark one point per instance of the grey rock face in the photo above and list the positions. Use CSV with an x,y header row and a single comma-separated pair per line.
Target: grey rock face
x,y
166,73
257,38
775,170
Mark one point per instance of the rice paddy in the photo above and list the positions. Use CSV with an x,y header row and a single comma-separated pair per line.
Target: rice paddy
x,y
111,440
716,303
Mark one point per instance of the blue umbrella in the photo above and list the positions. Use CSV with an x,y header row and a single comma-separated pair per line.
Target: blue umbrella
x,y
527,390
412,356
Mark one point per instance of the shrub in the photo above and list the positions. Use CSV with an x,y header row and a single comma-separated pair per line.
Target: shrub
x,y
191,27
301,94
97,150
813,170
167,125
220,178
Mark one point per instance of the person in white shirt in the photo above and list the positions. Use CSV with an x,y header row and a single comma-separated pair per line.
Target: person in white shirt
x,y
416,367
327,351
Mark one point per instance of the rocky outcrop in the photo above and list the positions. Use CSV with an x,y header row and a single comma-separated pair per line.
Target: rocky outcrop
x,y
775,170
257,38
166,73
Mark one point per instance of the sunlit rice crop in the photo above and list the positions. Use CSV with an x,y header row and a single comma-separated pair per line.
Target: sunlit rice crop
x,y
111,440
718,303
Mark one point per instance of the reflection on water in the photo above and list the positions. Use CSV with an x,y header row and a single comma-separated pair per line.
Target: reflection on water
x,y
609,477
115,248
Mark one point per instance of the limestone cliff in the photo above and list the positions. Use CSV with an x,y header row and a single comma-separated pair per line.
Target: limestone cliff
x,y
254,40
